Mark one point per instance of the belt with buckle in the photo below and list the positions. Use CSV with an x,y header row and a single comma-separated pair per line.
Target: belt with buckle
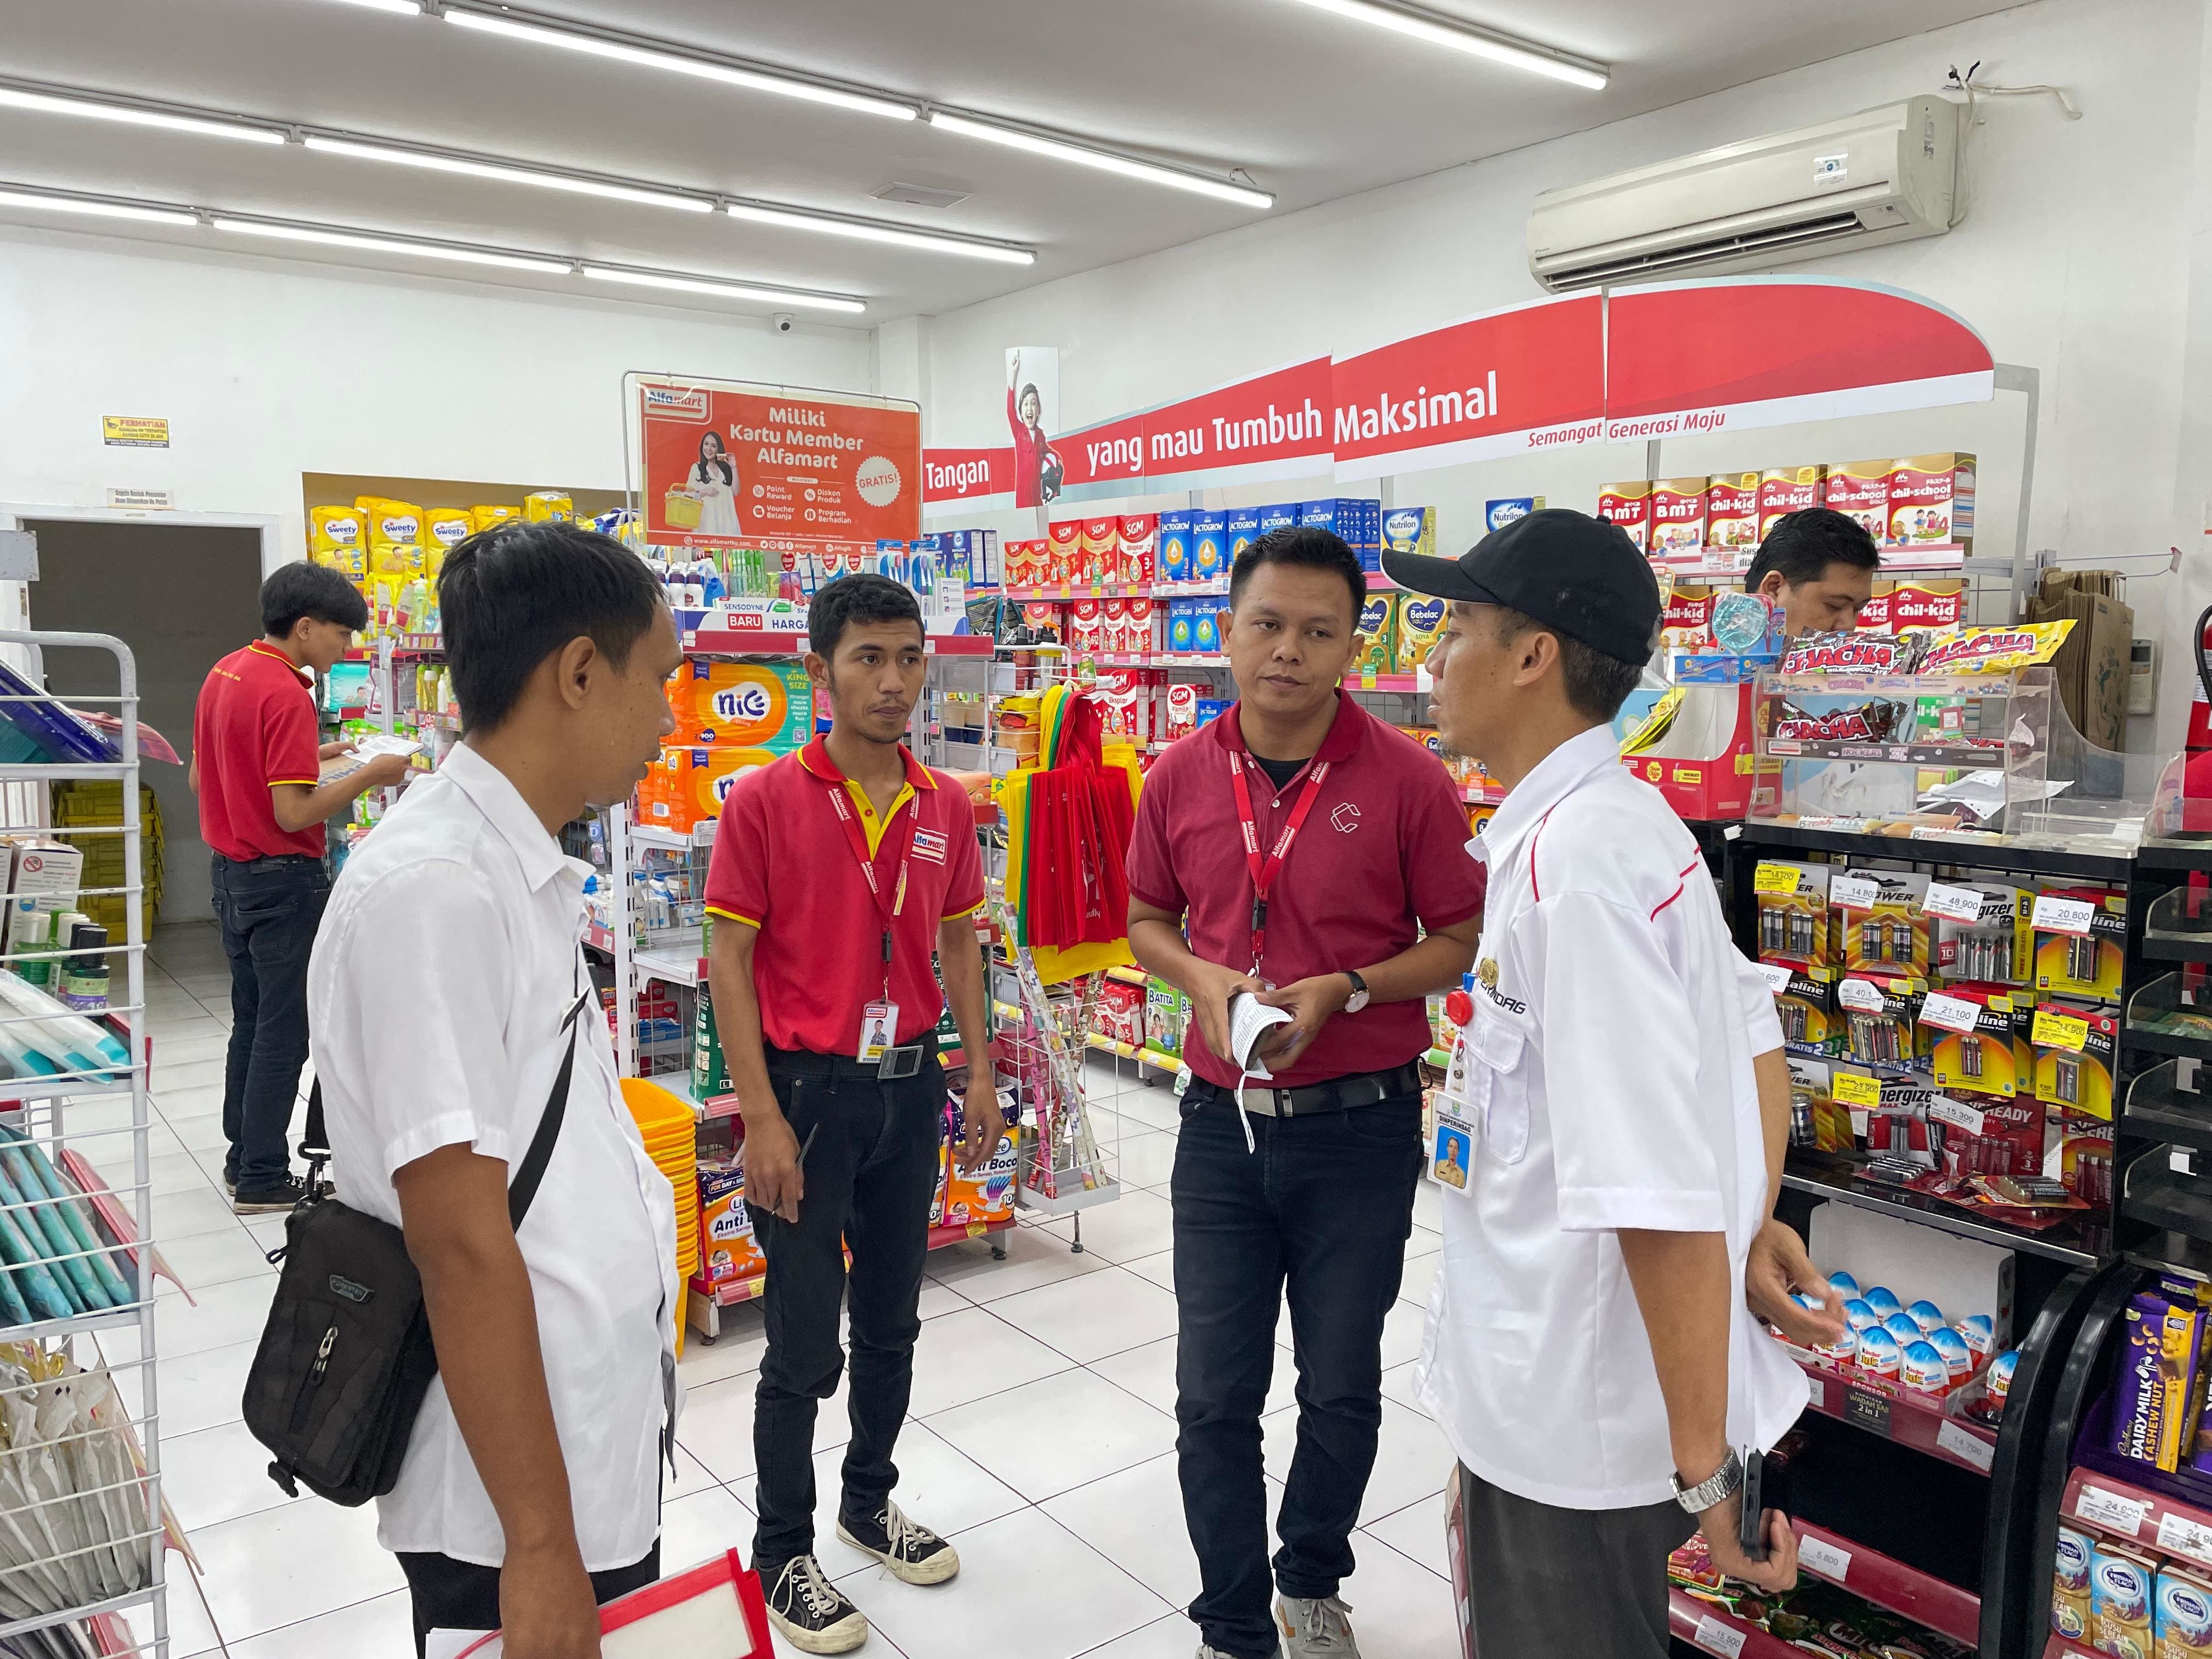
x,y
1341,1094
895,1065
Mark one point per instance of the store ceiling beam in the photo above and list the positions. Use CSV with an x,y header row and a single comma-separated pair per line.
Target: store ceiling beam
x,y
1456,34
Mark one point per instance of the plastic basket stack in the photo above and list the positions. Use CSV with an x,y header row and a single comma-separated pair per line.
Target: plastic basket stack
x,y
671,1140
97,804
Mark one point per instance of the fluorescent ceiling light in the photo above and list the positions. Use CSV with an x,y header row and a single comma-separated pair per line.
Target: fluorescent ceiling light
x,y
465,255
677,64
24,198
1456,36
861,230
431,161
400,8
1106,161
724,290
128,115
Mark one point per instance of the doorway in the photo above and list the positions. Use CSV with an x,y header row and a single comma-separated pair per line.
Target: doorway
x,y
181,597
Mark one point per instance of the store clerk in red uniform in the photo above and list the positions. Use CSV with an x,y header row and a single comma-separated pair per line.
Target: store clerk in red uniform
x,y
836,871
1349,830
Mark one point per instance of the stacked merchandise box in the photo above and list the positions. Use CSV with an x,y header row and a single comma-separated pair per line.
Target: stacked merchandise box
x,y
96,804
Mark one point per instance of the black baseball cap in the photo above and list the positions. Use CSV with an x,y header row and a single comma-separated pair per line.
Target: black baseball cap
x,y
1571,572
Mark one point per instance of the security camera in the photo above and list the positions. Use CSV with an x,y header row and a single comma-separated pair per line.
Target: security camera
x,y
784,322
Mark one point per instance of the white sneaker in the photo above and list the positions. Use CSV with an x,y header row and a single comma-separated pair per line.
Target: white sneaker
x,y
1314,1627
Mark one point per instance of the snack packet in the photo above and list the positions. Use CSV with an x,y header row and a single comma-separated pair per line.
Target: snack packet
x,y
1995,650
1854,654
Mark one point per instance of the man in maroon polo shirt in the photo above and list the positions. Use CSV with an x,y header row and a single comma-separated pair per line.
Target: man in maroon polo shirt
x,y
1296,840
257,768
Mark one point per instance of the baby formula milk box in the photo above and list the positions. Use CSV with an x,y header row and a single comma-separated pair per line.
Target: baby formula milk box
x,y
1784,490
1139,543
1410,530
1931,500
1243,528
1732,513
1064,546
2070,1585
1281,516
1860,490
1098,546
1173,551
1421,618
1678,518
1497,514
1209,544
2121,1586
1378,634
1629,506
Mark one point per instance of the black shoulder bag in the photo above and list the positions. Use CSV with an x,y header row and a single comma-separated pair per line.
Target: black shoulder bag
x,y
346,1357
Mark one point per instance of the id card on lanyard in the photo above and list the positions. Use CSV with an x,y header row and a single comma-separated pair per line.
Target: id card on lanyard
x,y
1266,869
878,1020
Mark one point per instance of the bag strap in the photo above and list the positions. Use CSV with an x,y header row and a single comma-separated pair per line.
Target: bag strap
x,y
524,1187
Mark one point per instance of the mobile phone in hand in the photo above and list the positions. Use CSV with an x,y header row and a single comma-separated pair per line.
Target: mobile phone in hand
x,y
1750,1524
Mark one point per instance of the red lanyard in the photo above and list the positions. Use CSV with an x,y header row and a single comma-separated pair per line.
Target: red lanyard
x,y
1264,871
856,838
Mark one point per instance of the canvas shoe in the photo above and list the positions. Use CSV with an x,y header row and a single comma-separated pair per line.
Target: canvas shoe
x,y
275,1199
914,1554
810,1613
1314,1627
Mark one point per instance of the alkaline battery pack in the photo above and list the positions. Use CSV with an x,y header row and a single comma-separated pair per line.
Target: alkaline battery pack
x,y
1979,1041
1884,929
2074,1054
1806,1008
2085,965
1795,923
1878,1018
1997,947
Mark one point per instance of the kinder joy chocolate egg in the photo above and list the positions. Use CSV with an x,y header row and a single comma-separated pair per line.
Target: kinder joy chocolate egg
x,y
1927,1316
1957,1358
1843,1351
1904,1328
1999,1381
1883,1301
1843,1283
1980,1332
1922,1369
1858,1314
1879,1354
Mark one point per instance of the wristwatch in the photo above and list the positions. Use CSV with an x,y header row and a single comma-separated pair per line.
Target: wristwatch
x,y
1715,1488
1358,1000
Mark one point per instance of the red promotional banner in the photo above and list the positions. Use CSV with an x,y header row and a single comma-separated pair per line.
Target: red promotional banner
x,y
1754,351
1275,425
728,464
979,480
1532,377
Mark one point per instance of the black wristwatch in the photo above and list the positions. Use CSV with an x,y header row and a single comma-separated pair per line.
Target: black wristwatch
x,y
1358,1000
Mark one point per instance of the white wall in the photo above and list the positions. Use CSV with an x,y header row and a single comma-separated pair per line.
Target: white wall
x,y
269,368
2081,257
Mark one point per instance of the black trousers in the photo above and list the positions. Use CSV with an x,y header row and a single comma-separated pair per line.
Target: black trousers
x,y
450,1594
1534,1572
269,909
870,1172
1320,1211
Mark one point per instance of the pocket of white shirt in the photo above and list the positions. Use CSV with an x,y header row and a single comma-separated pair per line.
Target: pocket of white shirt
x,y
1501,1086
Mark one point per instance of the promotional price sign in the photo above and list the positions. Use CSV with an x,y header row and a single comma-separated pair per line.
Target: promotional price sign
x,y
727,463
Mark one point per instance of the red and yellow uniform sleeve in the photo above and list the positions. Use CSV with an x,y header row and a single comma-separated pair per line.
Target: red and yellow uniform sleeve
x,y
738,869
291,747
963,892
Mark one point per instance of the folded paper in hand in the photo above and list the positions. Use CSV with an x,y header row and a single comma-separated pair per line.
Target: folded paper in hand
x,y
1248,1018
365,750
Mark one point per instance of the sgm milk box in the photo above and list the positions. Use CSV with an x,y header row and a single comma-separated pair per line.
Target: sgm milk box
x,y
1678,518
1860,490
1629,506
1136,558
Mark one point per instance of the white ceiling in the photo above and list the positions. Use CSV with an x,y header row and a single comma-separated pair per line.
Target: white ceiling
x,y
1313,106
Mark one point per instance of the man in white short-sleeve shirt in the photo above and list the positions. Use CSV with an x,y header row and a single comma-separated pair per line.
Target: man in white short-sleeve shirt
x,y
441,990
1589,1352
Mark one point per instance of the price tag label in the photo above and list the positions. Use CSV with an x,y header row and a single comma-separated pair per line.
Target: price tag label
x,y
1774,878
1816,1392
1853,1089
2053,1029
2062,916
1818,1555
1859,1124
2110,1512
1861,996
1967,1447
1855,893
1953,904
2184,1537
1715,1637
1778,976
1952,1013
1366,680
1867,1409
1957,1114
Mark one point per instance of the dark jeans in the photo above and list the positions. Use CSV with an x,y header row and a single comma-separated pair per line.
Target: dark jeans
x,y
1532,1570
450,1594
869,1173
269,909
1324,1208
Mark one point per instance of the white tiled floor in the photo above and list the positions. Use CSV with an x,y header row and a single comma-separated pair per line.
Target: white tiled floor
x,y
1041,1437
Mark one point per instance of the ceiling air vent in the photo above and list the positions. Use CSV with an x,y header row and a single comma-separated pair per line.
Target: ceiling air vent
x,y
920,196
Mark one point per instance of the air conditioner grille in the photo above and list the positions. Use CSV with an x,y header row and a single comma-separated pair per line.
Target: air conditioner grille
x,y
1787,239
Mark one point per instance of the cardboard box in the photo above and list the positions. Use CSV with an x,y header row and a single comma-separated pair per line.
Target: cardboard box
x,y
1860,490
47,874
2090,668
1209,545
1629,506
1242,528
1784,490
1678,518
1732,511
1174,553
1931,500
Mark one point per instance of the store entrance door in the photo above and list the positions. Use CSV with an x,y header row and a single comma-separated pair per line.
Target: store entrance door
x,y
181,597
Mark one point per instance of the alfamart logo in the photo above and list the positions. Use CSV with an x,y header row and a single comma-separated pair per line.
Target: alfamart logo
x,y
675,400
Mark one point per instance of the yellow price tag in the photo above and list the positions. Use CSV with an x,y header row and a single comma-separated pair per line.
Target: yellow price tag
x,y
1850,1089
2056,1031
1366,680
1774,878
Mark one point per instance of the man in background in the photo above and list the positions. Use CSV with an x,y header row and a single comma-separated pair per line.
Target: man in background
x,y
256,769
1296,838
1818,565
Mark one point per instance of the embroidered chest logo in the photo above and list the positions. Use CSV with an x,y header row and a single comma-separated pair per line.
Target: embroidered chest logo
x,y
1346,817
929,844
1487,974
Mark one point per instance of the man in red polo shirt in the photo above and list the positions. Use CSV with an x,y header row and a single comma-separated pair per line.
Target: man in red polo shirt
x,y
256,766
835,873
1296,838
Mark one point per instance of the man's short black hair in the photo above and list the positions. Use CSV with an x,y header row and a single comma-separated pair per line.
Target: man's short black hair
x,y
1309,545
1804,544
863,596
314,591
515,594
1597,685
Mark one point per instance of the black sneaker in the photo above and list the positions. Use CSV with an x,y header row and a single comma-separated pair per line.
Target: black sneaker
x,y
808,1609
914,1554
276,1197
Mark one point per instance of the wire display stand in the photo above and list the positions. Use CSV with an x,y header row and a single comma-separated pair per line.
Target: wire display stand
x,y
81,1517
1063,1168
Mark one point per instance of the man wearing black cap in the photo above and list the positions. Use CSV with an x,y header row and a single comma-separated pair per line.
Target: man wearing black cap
x,y
1589,1352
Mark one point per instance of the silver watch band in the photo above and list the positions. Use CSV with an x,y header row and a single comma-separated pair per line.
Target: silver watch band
x,y
1715,1488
